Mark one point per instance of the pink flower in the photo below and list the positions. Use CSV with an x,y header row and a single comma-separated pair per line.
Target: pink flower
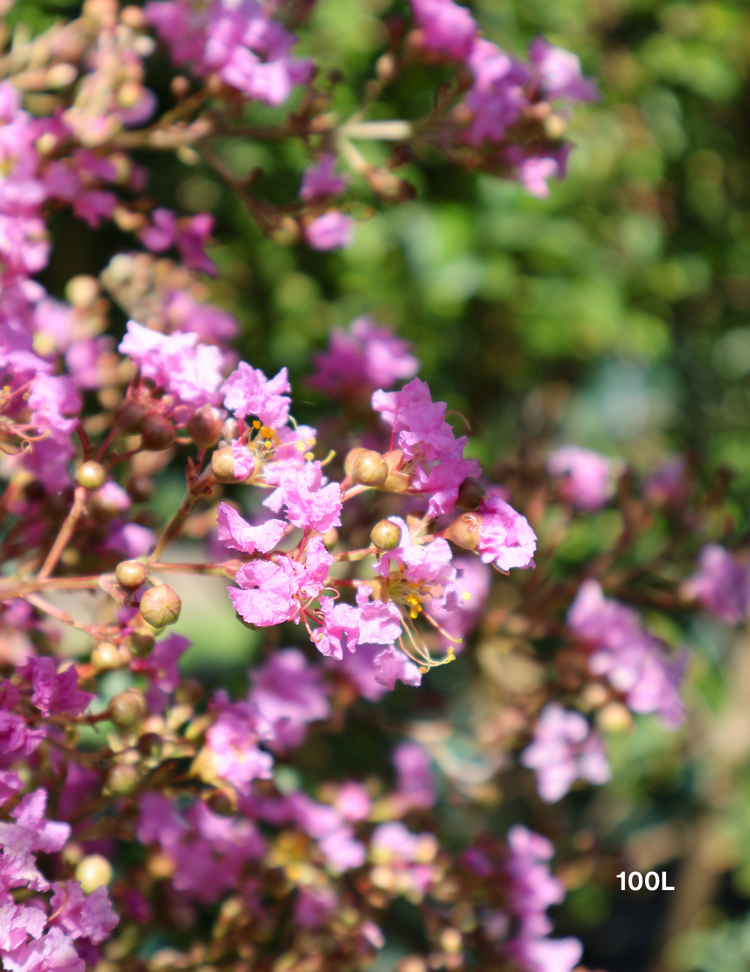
x,y
447,27
314,905
287,693
321,180
442,483
342,851
429,565
55,403
364,354
353,801
83,916
418,423
415,782
54,952
564,750
248,392
721,586
588,476
188,235
177,362
344,626
310,504
10,783
631,659
331,231
393,665
232,742
463,607
560,73
506,539
19,922
240,535
31,832
272,592
53,692
497,96
161,668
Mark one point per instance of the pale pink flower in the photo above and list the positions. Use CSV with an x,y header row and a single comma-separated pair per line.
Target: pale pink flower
x,y
448,28
80,915
237,533
331,231
589,479
247,391
309,503
505,539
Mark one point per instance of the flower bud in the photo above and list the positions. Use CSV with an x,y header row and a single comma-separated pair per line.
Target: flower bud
x,y
222,802
121,779
351,458
131,574
330,538
230,429
91,475
470,494
130,415
222,466
369,469
205,426
141,642
160,606
106,657
127,708
188,692
150,744
94,872
386,535
466,530
157,433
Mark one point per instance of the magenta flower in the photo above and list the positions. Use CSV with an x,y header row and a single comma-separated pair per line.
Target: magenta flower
x,y
463,607
415,781
288,694
418,423
505,539
83,916
331,231
721,586
364,354
426,565
247,391
560,73
632,660
393,665
52,692
55,403
447,28
232,744
344,626
54,952
309,503
177,362
588,482
10,783
31,832
497,97
240,535
564,750
320,180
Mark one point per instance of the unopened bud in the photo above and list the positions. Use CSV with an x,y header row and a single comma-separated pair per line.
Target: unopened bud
x,y
106,657
386,535
351,458
141,642
150,744
466,530
330,538
130,415
230,429
157,433
91,475
370,469
205,426
131,574
94,872
127,708
222,466
121,779
160,606
188,692
470,494
223,802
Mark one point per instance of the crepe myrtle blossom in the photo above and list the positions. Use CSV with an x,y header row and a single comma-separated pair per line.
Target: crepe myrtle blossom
x,y
288,694
721,585
447,28
331,231
364,354
633,661
588,480
321,181
564,749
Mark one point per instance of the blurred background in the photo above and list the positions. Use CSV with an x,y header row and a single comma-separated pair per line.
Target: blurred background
x,y
614,314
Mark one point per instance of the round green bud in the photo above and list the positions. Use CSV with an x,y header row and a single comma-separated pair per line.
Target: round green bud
x,y
93,872
127,708
351,458
131,574
222,466
386,535
205,425
130,415
188,692
141,642
160,606
121,779
157,433
91,475
466,530
470,494
105,657
369,469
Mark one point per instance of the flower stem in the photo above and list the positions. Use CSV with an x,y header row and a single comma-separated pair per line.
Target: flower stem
x,y
66,532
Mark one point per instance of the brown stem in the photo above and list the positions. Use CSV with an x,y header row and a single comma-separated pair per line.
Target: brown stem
x,y
227,569
356,554
8,592
60,615
66,532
